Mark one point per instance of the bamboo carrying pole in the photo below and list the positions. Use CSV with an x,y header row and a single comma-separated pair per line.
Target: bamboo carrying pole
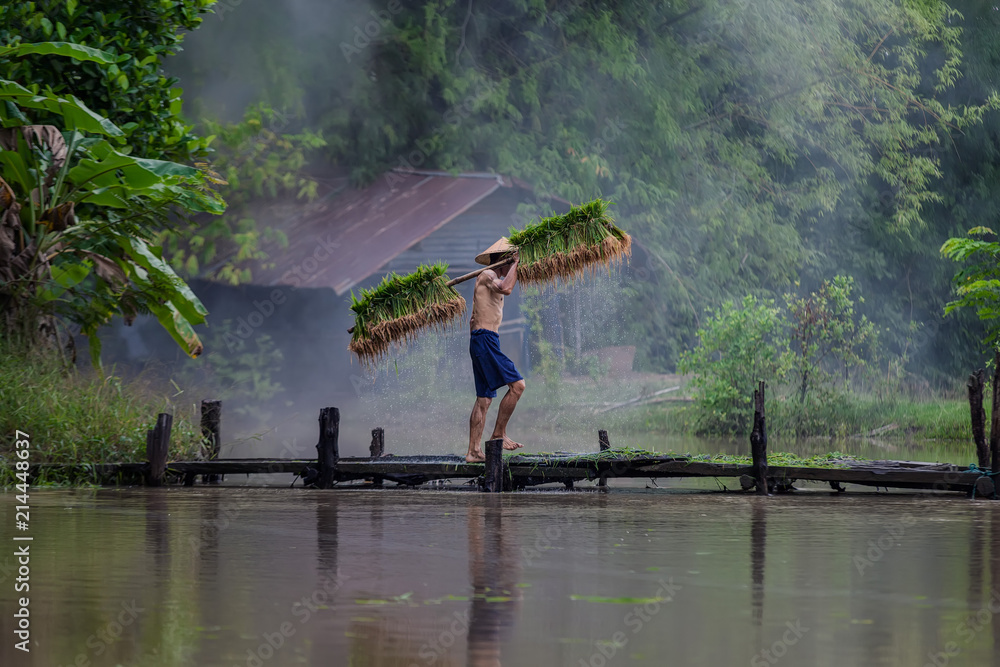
x,y
472,274
468,276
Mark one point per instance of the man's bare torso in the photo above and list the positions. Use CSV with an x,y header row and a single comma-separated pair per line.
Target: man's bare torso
x,y
487,303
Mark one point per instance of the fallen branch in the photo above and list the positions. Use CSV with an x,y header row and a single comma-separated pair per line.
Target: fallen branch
x,y
878,431
638,400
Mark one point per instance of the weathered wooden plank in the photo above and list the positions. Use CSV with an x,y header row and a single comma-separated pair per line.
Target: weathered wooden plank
x,y
527,470
871,476
369,467
240,466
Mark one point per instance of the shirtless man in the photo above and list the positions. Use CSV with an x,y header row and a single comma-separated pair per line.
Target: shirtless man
x,y
492,369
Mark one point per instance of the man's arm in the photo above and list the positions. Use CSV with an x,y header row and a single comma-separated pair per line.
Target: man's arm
x,y
506,286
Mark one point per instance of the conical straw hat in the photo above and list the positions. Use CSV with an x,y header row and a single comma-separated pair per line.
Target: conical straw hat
x,y
500,247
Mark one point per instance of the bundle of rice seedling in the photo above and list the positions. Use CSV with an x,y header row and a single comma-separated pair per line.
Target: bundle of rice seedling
x,y
559,247
399,307
565,246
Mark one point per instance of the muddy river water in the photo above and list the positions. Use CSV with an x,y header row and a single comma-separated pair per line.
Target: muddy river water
x,y
275,577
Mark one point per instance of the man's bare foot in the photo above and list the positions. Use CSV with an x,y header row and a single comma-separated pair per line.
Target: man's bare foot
x,y
475,456
510,444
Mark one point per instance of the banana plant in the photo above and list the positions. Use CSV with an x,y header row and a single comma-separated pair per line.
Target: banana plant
x,y
77,212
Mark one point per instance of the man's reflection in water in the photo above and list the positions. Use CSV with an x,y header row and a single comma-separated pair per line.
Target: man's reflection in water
x,y
494,570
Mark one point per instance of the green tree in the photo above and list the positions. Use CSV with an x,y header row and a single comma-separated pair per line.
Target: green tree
x,y
977,285
132,91
748,144
261,163
904,276
824,334
77,216
737,347
726,131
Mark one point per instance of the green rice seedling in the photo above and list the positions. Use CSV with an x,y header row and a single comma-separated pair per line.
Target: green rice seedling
x,y
559,247
399,307
562,247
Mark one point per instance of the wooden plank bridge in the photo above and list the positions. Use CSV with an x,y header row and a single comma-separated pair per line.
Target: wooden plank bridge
x,y
517,471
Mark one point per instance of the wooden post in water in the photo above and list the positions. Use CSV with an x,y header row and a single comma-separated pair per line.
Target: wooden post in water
x,y
602,438
496,471
995,417
377,449
211,433
976,383
328,449
157,447
758,441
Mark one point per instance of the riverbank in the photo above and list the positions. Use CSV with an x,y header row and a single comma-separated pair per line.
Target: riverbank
x,y
639,403
80,416
849,416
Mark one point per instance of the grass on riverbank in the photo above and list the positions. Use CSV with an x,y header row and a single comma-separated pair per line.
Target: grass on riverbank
x,y
79,416
649,403
850,415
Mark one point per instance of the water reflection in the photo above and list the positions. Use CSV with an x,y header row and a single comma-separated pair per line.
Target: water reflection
x,y
494,569
410,630
994,596
421,579
758,545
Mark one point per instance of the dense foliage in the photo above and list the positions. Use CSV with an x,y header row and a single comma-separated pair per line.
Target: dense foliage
x,y
977,284
261,162
77,215
806,351
747,145
132,91
79,206
738,345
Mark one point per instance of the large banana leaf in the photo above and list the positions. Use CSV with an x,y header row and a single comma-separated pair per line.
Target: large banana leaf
x,y
184,302
76,114
169,317
64,276
178,327
67,49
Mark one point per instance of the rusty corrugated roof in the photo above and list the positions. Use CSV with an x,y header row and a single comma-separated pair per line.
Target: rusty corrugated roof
x,y
354,234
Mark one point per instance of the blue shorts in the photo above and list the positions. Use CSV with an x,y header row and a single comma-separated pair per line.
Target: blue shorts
x,y
490,366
